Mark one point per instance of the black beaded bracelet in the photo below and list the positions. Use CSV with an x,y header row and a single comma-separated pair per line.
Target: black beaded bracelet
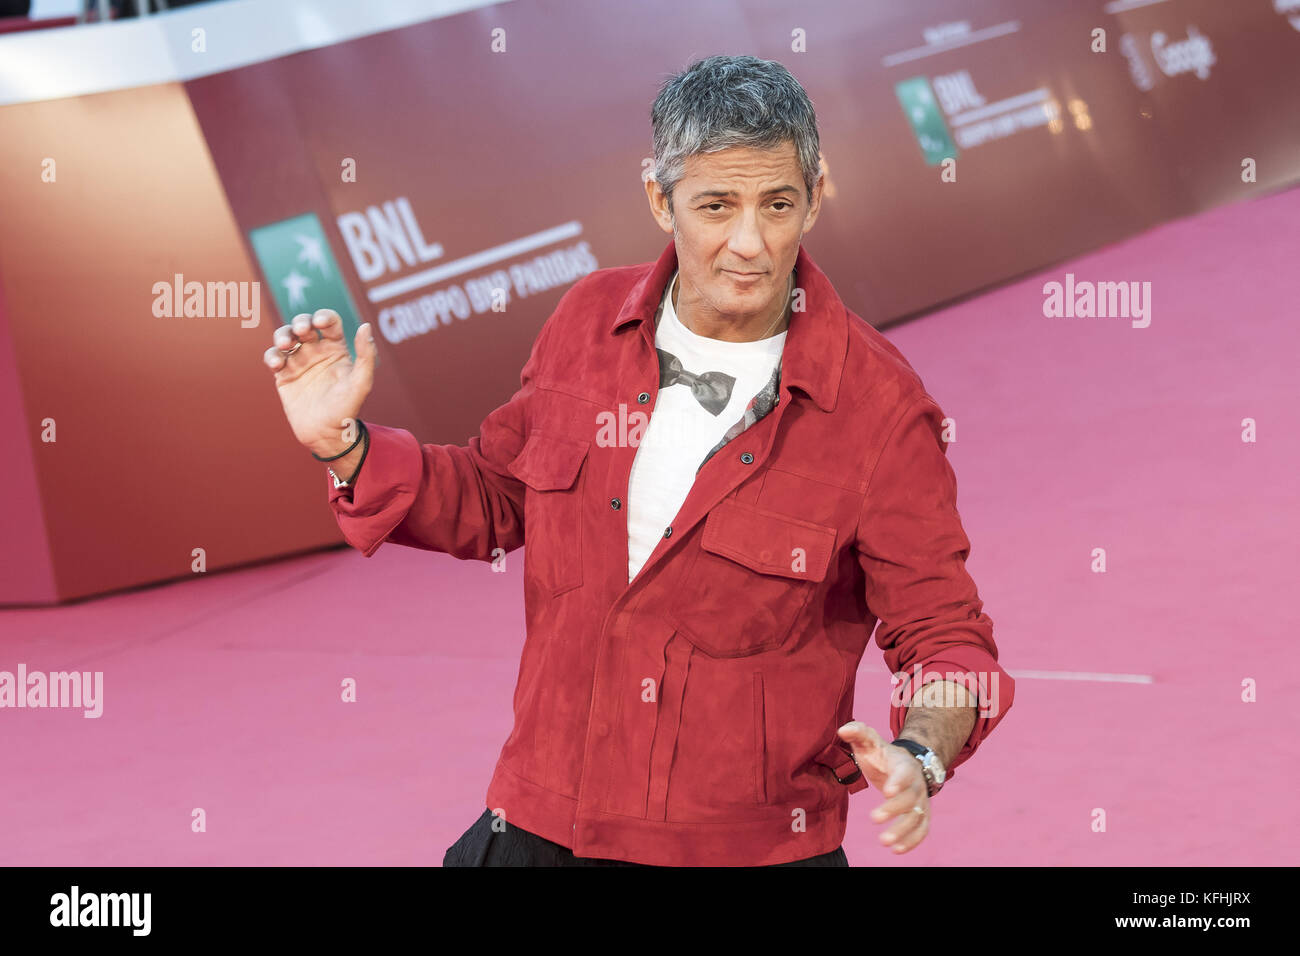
x,y
360,434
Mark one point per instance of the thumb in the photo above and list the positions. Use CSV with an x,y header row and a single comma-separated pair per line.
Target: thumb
x,y
363,371
860,736
868,747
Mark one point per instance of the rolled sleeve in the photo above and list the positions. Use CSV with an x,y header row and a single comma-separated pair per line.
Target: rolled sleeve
x,y
913,550
458,499
385,489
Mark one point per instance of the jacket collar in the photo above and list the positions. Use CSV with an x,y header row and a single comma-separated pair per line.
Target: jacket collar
x,y
815,343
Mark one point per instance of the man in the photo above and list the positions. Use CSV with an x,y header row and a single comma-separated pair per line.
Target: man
x,y
722,479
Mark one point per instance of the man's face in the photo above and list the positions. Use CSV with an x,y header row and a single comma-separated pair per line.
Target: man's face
x,y
740,214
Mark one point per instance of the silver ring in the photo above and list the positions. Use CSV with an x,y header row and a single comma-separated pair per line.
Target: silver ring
x,y
296,347
918,810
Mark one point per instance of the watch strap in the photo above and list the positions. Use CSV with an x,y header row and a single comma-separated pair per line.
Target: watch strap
x,y
920,752
911,746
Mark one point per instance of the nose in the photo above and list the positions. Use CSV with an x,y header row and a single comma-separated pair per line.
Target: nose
x,y
746,241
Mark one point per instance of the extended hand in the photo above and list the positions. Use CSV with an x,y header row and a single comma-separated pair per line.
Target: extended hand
x,y
897,774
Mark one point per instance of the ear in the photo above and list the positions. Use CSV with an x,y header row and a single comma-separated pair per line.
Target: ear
x,y
658,205
816,205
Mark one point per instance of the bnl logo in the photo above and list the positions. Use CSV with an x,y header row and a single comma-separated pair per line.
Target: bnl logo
x,y
925,110
302,272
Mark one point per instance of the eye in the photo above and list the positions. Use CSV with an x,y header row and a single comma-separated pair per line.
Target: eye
x,y
782,202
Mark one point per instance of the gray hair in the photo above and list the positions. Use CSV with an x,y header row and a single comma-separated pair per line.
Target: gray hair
x,y
728,101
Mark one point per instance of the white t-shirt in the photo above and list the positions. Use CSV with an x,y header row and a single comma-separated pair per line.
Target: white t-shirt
x,y
681,430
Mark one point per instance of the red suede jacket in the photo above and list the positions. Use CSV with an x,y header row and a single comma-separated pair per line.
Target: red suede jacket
x,y
689,717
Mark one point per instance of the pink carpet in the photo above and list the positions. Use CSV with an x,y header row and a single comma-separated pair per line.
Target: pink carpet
x,y
223,693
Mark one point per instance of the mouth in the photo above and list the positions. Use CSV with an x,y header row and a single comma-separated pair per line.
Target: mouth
x,y
742,275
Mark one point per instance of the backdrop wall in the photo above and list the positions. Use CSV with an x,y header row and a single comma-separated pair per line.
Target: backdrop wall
x,y
411,170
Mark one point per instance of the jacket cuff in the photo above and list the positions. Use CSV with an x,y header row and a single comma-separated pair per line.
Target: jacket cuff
x,y
369,511
975,669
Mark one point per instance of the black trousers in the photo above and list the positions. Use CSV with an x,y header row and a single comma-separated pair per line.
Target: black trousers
x,y
480,845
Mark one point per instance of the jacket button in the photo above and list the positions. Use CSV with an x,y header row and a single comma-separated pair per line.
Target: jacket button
x,y
615,503
643,397
747,458
668,531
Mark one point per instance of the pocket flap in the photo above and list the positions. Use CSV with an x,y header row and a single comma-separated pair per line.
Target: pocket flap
x,y
766,541
549,462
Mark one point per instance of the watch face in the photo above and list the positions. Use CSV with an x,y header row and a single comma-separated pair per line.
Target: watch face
x,y
931,763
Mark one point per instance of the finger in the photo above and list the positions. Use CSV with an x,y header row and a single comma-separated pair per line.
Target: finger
x,y
867,737
901,801
284,337
328,323
859,735
274,359
303,330
905,823
868,751
364,369
913,838
902,809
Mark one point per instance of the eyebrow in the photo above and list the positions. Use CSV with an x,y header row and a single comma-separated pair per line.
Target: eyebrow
x,y
731,193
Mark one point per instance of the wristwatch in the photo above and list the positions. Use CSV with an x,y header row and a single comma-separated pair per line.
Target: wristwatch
x,y
931,768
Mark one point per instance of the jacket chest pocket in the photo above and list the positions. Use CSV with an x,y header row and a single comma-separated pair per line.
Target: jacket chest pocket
x,y
549,466
752,577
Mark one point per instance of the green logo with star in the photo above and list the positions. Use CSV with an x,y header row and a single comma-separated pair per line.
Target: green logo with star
x,y
921,110
302,272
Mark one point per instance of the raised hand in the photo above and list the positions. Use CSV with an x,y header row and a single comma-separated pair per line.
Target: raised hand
x,y
321,388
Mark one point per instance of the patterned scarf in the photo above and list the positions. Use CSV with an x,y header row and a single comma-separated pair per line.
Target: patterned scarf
x,y
758,406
